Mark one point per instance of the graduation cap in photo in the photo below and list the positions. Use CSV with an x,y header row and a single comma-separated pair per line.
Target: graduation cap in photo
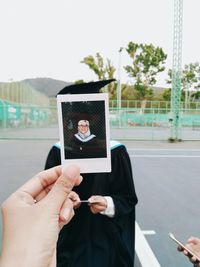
x,y
85,88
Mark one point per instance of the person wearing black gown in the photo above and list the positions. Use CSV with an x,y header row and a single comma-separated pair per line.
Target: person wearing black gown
x,y
105,238
84,144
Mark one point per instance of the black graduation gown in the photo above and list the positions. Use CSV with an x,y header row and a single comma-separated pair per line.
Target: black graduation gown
x,y
90,149
95,240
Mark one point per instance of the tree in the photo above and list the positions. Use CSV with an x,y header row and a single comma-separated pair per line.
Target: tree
x,y
190,79
102,70
147,62
167,94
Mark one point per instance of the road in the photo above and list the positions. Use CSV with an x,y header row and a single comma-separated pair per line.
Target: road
x,y
167,182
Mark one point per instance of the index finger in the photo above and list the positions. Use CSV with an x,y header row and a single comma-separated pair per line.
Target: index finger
x,y
41,181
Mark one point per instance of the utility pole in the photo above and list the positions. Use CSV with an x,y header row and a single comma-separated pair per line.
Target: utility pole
x,y
176,72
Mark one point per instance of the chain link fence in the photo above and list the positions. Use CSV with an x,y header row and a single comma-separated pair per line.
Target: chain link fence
x,y
134,123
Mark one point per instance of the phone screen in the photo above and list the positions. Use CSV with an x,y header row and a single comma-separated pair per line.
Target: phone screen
x,y
190,253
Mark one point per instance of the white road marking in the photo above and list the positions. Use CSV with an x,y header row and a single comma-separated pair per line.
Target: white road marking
x,y
149,232
163,149
164,156
143,250
184,153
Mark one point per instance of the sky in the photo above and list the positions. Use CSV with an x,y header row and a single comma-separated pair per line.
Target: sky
x,y
49,38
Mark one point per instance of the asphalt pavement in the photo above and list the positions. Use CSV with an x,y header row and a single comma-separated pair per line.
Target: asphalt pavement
x,y
167,182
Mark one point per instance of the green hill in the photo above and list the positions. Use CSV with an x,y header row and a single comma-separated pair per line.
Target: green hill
x,y
48,86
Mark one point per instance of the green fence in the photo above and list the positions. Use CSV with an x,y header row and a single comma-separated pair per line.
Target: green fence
x,y
158,117
20,121
14,115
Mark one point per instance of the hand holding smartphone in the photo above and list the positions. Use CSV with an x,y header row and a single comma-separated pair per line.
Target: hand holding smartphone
x,y
190,253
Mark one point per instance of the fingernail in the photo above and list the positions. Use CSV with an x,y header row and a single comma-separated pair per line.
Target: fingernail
x,y
81,178
66,213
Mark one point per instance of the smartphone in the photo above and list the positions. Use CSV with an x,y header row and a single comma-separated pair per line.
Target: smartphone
x,y
190,253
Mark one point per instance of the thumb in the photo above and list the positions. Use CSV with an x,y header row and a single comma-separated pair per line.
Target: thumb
x,y
69,178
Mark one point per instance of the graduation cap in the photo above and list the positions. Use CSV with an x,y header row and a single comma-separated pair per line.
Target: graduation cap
x,y
85,88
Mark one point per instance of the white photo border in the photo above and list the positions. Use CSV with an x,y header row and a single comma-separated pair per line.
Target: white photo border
x,y
87,165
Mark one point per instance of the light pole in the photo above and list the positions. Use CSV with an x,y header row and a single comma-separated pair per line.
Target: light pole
x,y
119,93
119,80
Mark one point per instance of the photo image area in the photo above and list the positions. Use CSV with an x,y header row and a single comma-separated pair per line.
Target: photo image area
x,y
84,129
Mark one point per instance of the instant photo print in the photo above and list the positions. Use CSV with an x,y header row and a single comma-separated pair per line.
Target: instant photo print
x,y
84,126
84,131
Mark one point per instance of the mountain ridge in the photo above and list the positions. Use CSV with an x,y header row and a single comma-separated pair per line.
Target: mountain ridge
x,y
48,86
